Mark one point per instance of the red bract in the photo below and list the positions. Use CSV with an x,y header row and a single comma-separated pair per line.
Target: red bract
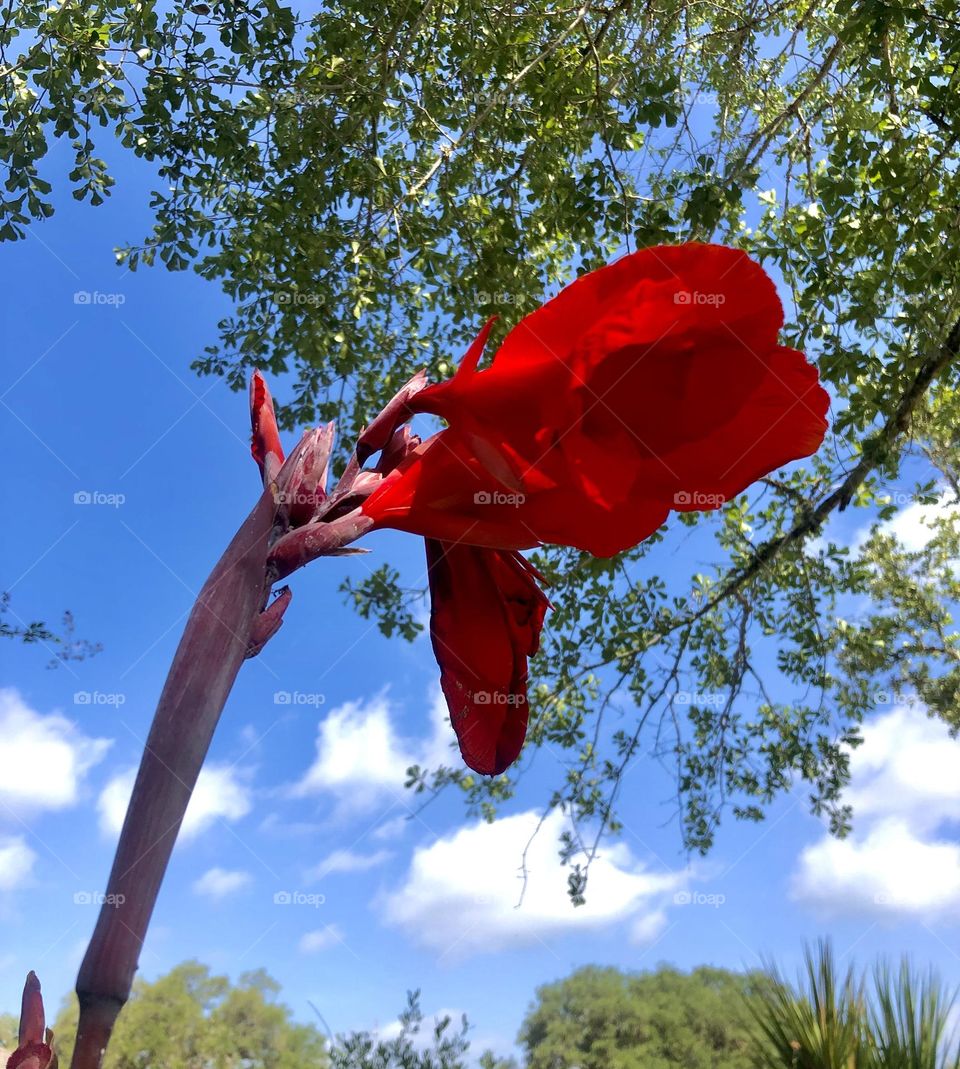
x,y
34,1050
265,444
652,384
655,383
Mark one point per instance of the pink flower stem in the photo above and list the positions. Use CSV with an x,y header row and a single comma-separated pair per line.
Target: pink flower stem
x,y
229,622
222,629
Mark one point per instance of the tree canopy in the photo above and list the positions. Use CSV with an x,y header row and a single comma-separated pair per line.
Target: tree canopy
x,y
369,182
190,1018
602,1018
9,1027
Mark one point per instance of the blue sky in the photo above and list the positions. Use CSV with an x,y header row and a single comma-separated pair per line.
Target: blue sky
x,y
303,853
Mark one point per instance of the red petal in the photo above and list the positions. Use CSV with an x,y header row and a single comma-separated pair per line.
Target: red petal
x,y
653,383
485,620
659,288
783,420
265,442
443,491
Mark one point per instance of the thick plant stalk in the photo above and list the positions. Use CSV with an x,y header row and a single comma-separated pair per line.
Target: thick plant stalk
x,y
295,521
218,636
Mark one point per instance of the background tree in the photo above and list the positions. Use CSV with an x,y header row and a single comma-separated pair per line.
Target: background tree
x,y
191,1019
370,181
64,646
447,1048
9,1027
602,1018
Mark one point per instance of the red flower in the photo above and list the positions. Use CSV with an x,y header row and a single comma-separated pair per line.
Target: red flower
x,y
655,383
35,1050
486,612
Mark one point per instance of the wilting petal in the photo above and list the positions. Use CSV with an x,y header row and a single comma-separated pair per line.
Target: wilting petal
x,y
265,442
302,480
485,620
401,444
376,436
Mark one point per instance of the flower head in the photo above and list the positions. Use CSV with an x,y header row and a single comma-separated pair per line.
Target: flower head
x,y
654,384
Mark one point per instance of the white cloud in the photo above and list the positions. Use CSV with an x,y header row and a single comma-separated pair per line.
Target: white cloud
x,y
321,939
218,883
904,788
390,830
906,766
16,862
461,893
363,759
911,526
219,794
888,869
357,747
648,926
348,861
44,758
